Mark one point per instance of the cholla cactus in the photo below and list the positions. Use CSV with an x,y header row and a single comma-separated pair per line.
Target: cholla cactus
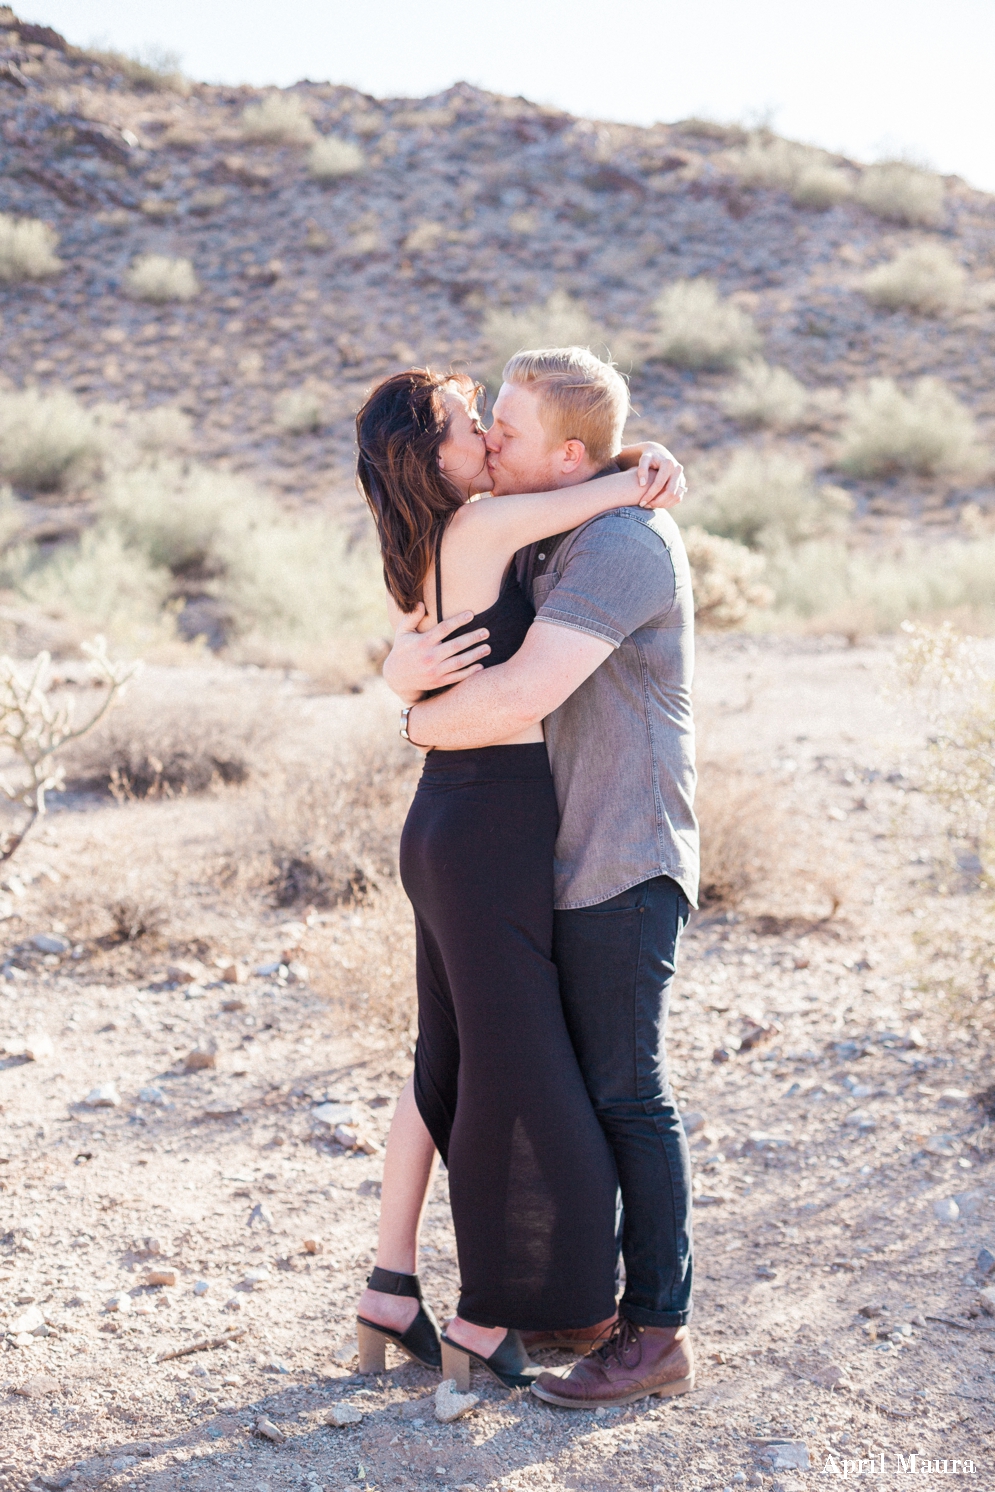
x,y
33,730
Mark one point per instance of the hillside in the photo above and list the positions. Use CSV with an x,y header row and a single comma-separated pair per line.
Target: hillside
x,y
431,225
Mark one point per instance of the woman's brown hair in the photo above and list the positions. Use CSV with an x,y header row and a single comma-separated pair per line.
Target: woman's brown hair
x,y
399,431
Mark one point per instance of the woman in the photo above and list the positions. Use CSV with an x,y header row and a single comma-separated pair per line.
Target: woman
x,y
497,1090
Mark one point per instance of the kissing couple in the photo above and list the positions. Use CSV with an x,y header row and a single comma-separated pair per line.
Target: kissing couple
x,y
543,656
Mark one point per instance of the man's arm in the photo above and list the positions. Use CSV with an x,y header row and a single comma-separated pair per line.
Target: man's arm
x,y
552,662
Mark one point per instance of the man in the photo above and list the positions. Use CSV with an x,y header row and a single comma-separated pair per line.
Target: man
x,y
607,666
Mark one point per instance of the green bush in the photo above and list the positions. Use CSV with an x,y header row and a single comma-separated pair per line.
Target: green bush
x,y
763,395
697,329
925,278
902,193
726,580
280,119
768,501
156,277
27,249
927,431
329,159
47,440
560,322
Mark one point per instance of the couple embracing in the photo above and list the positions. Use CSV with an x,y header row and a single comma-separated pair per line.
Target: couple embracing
x,y
543,654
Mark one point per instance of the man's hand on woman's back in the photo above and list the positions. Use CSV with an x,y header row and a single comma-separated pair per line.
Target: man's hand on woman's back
x,y
420,661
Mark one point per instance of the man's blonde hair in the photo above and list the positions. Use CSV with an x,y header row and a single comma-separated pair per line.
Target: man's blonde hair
x,y
580,397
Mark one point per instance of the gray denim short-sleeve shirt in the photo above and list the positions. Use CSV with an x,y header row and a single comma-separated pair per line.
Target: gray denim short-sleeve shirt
x,y
622,745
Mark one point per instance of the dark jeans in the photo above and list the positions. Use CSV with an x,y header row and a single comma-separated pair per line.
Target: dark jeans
x,y
616,963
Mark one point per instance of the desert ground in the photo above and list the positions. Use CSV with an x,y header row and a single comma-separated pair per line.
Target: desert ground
x,y
838,1099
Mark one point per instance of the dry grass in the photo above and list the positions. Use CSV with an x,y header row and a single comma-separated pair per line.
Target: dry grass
x,y
299,411
763,395
806,173
697,329
329,159
902,193
768,501
925,278
27,250
927,431
47,441
154,69
727,581
280,119
560,322
758,852
157,278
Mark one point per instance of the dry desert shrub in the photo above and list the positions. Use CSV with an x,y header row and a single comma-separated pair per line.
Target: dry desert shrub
x,y
560,322
697,329
153,69
102,582
27,249
866,591
768,501
803,171
332,835
330,158
177,735
927,431
280,119
47,440
925,278
902,193
300,410
157,278
763,395
727,580
758,851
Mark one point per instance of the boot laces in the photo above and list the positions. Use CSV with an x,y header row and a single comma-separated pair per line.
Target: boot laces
x,y
623,1346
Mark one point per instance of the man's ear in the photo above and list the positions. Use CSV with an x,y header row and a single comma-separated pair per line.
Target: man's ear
x,y
573,454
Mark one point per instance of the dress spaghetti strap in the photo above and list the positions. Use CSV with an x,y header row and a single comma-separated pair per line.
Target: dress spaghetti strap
x,y
438,576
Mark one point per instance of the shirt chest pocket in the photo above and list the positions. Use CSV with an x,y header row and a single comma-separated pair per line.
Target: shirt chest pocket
x,y
541,587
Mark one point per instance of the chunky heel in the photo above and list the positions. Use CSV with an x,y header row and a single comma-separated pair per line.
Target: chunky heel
x,y
456,1365
372,1349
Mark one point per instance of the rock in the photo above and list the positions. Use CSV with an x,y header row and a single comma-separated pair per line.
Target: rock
x,y
915,1038
298,973
313,1246
260,1216
149,1248
985,1261
941,1145
342,1414
693,1122
221,1111
230,1006
830,1376
50,943
266,1428
953,1098
201,1057
860,1119
872,1312
275,1365
268,970
121,1303
104,1096
986,1300
970,1202
255,1277
945,1210
764,1272
29,1322
790,1455
234,973
232,1304
37,1047
187,971
201,1287
450,1405
151,1095
124,1463
144,1450
37,1386
161,1277
57,1480
333,1114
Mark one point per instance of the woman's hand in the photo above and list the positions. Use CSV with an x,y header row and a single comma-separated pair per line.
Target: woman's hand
x,y
419,661
657,471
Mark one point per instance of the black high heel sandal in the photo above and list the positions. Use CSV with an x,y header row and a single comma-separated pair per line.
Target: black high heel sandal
x,y
510,1364
420,1340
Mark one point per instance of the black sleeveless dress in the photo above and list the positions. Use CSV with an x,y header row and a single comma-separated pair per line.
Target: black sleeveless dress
x,y
532,1180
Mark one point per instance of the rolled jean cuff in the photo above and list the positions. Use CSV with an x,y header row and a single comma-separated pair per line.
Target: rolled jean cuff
x,y
640,1317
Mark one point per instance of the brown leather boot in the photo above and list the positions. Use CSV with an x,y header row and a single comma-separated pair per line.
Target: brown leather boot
x,y
578,1339
634,1363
